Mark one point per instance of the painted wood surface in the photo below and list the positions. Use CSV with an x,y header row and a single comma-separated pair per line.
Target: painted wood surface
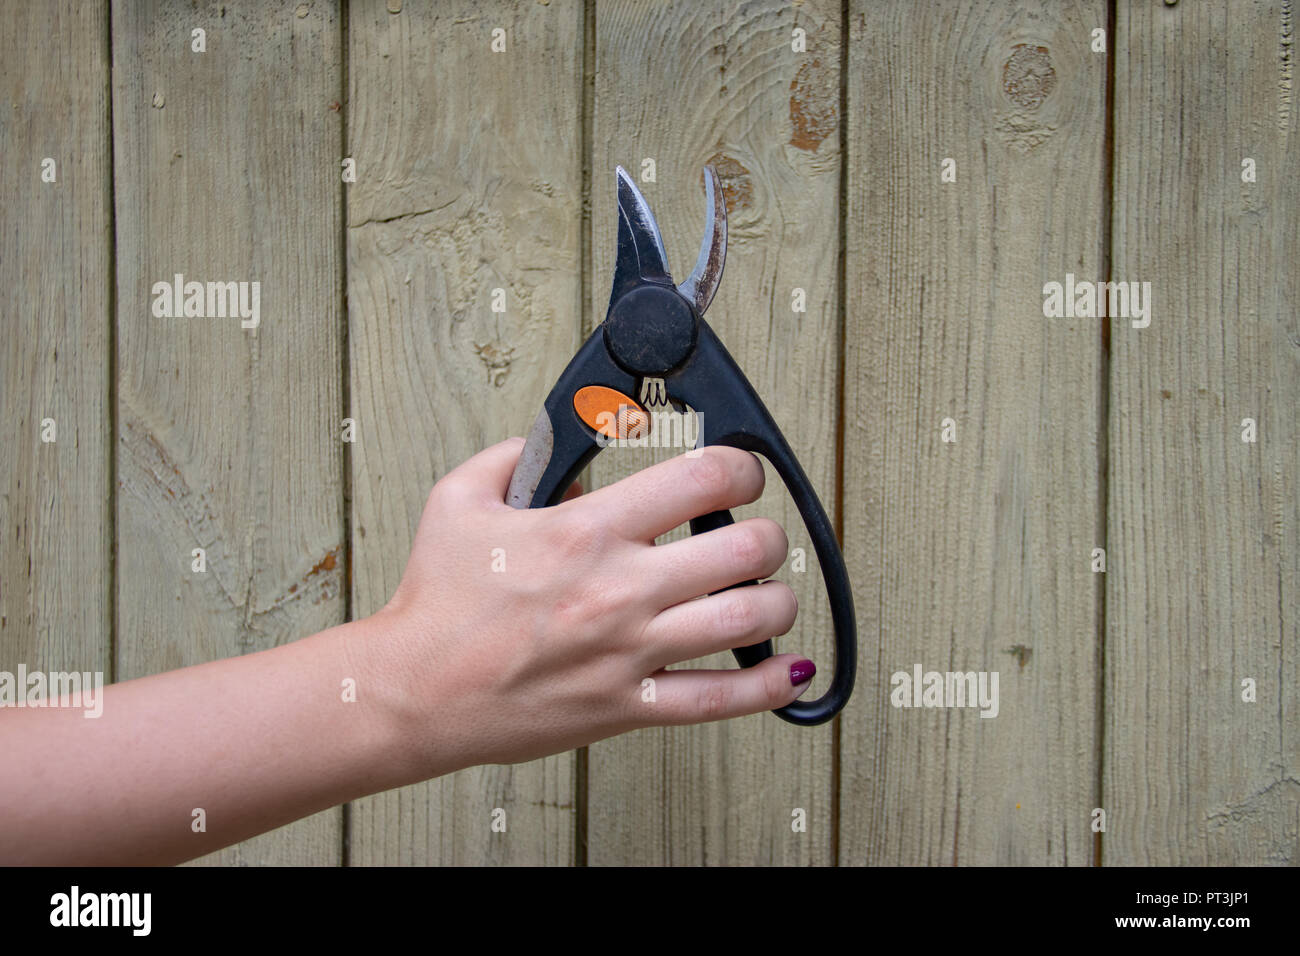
x,y
680,85
55,290
1203,583
469,178
972,554
226,169
484,161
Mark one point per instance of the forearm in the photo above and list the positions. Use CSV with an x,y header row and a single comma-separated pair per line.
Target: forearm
x,y
254,742
463,666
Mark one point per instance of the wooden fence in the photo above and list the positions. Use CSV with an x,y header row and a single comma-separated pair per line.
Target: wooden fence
x,y
904,179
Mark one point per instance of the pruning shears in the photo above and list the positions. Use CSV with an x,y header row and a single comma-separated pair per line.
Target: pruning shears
x,y
655,344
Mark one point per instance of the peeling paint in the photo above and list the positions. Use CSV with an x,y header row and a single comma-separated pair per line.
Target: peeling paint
x,y
496,357
737,185
814,99
324,564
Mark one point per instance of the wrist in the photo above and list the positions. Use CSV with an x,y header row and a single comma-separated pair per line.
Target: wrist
x,y
393,692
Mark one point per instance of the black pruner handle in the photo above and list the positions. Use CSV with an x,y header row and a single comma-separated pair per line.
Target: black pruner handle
x,y
560,445
731,413
745,656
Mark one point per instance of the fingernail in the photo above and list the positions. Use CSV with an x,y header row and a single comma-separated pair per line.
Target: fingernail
x,y
801,671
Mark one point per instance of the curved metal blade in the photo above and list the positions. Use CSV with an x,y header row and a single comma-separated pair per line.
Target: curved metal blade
x,y
702,283
640,246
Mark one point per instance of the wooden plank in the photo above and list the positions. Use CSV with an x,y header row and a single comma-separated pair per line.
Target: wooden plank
x,y
683,84
1204,578
973,555
469,179
55,277
227,169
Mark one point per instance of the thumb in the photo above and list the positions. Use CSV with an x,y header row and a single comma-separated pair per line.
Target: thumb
x,y
486,476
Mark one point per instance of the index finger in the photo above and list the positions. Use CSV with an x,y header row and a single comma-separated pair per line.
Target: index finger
x,y
657,499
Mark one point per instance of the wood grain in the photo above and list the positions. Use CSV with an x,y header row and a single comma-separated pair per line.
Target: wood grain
x,y
973,555
469,180
55,277
1121,691
226,169
1203,586
685,84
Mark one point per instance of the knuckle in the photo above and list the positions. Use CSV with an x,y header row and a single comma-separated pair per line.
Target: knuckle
x,y
780,608
751,476
583,612
776,685
775,542
580,536
737,614
712,476
605,602
789,607
441,495
713,699
571,613
748,547
628,706
434,494
452,486
446,502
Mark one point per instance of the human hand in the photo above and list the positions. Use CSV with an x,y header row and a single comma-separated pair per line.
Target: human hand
x,y
520,633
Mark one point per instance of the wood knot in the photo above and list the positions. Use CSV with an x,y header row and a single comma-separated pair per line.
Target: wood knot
x,y
1021,653
814,97
496,358
1028,76
737,186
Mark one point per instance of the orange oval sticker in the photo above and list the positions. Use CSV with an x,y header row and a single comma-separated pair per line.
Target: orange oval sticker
x,y
610,412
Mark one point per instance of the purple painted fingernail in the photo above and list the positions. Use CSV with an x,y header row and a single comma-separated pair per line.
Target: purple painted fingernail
x,y
801,671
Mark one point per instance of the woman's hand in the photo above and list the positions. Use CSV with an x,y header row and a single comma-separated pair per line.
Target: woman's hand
x,y
514,634
517,634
